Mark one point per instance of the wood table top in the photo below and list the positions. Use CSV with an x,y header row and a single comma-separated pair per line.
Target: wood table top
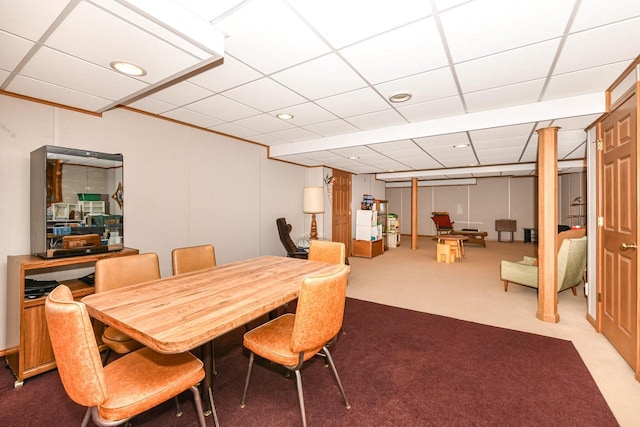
x,y
178,313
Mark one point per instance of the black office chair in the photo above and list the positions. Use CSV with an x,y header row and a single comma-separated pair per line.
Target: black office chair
x,y
284,231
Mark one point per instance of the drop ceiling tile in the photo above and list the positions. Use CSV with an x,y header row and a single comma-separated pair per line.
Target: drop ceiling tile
x,y
229,74
513,66
210,10
3,75
423,87
479,28
270,24
348,26
499,155
575,123
575,136
357,151
13,50
409,50
233,129
53,93
223,108
152,105
432,109
446,141
353,103
192,117
377,119
269,140
571,151
422,163
181,94
404,145
504,132
306,114
595,13
264,123
17,17
504,96
321,77
295,134
332,128
507,143
117,41
301,160
63,70
264,95
576,51
591,80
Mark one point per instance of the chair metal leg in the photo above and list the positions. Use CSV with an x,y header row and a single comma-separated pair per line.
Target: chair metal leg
x,y
196,398
86,418
214,414
335,373
178,410
300,397
246,382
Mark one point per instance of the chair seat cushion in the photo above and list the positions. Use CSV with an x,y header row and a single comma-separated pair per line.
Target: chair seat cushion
x,y
272,341
143,379
118,341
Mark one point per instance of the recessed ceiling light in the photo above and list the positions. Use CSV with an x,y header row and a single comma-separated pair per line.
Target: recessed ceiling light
x,y
128,68
353,157
284,116
400,97
461,146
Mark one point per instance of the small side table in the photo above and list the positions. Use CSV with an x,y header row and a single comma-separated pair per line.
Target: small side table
x,y
507,225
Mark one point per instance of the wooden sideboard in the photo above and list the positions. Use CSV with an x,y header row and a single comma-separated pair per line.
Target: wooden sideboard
x,y
26,323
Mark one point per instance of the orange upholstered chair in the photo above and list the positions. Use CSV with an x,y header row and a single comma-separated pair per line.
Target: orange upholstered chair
x,y
326,251
292,339
116,272
124,388
193,258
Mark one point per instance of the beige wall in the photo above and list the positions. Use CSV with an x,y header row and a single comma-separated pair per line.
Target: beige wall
x,y
182,186
478,206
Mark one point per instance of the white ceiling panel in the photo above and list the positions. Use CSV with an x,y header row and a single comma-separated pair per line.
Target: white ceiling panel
x,y
182,93
122,42
485,27
230,74
189,116
504,96
608,41
269,24
377,119
429,86
306,114
353,103
53,93
310,78
398,53
347,26
265,95
474,68
64,70
512,66
13,50
18,17
223,108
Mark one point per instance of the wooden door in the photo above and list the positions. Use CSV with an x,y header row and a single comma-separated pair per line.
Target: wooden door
x,y
341,209
618,204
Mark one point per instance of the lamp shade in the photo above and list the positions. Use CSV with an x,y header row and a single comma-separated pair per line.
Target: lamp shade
x,y
313,200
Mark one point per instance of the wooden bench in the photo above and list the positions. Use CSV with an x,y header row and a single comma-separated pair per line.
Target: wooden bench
x,y
475,236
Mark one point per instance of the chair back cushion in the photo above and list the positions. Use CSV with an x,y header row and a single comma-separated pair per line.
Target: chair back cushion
x,y
442,221
116,272
320,310
326,251
193,258
75,349
572,261
284,231
575,233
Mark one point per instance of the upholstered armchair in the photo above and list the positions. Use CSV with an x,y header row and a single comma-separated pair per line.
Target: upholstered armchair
x,y
443,223
284,231
572,261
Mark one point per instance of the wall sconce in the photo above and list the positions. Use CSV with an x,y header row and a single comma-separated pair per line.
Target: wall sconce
x,y
313,203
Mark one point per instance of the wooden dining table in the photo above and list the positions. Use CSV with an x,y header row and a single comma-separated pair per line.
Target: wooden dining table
x,y
179,313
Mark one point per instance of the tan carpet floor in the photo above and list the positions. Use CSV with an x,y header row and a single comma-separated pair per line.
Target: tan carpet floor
x,y
472,290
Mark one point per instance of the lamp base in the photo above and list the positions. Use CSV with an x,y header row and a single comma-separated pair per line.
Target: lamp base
x,y
314,228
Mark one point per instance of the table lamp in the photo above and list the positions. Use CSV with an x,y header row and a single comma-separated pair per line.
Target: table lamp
x,y
313,203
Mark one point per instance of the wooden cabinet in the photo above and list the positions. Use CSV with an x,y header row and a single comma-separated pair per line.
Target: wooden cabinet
x,y
367,248
26,324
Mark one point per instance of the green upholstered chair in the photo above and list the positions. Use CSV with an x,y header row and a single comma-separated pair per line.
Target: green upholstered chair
x,y
572,261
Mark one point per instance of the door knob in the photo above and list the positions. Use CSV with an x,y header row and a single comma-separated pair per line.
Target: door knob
x,y
624,246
